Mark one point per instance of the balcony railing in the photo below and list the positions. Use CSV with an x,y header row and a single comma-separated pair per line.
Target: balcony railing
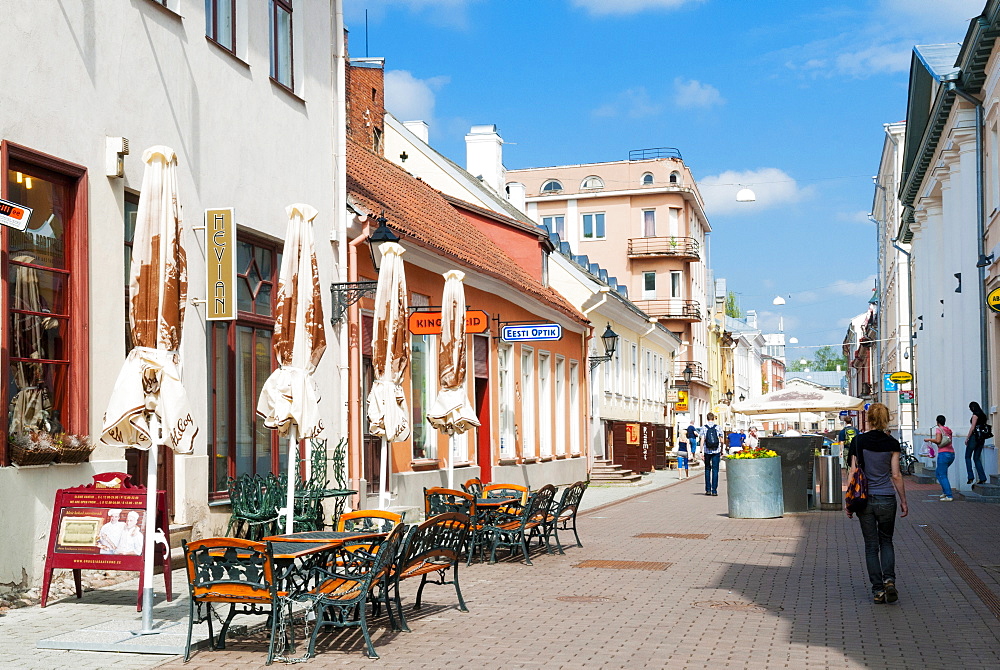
x,y
671,308
676,247
697,371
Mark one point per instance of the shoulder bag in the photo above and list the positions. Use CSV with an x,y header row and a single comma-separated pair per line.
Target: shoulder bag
x,y
856,497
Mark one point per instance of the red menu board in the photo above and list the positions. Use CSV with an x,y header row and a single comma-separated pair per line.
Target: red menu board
x,y
101,526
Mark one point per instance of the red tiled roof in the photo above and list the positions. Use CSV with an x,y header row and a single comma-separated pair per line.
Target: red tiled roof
x,y
423,216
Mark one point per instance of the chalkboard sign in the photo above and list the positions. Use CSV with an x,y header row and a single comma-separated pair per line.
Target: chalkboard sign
x,y
101,526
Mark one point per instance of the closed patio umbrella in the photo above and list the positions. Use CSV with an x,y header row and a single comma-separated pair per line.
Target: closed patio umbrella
x,y
388,415
451,412
148,406
289,399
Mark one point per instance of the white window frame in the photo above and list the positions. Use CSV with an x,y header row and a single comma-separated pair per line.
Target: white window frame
x,y
548,182
591,183
544,404
676,284
505,373
648,293
598,223
574,408
674,221
561,409
430,381
649,217
553,224
634,377
528,408
647,179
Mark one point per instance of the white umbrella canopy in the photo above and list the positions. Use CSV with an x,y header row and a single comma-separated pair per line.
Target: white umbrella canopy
x,y
792,400
388,415
451,411
149,394
289,399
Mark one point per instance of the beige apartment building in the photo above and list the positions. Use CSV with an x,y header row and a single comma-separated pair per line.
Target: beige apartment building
x,y
644,221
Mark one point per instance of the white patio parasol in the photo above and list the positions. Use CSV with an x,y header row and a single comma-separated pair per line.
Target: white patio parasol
x,y
289,399
797,401
148,395
388,415
451,412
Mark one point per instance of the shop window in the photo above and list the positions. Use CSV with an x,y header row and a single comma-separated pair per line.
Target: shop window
x,y
574,407
241,358
423,351
528,408
544,405
561,408
44,296
131,210
505,369
282,65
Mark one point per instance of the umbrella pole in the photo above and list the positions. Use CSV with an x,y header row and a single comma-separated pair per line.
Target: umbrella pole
x,y
149,541
293,476
383,468
451,461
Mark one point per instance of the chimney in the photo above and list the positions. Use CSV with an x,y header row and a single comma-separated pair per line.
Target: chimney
x,y
418,128
516,194
484,155
752,318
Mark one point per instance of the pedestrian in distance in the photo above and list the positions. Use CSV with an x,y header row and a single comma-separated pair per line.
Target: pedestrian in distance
x,y
974,441
692,435
877,454
942,440
847,433
735,442
712,452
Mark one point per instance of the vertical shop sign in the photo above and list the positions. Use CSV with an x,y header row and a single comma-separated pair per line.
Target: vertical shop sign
x,y
632,433
220,240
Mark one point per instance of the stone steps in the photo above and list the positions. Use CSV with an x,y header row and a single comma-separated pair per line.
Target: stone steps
x,y
606,473
972,496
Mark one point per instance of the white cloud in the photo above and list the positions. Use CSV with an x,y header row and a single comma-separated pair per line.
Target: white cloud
x,y
633,103
772,186
449,13
409,98
849,54
692,93
950,14
769,322
605,7
862,287
859,216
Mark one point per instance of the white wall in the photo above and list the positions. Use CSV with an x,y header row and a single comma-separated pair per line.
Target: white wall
x,y
130,68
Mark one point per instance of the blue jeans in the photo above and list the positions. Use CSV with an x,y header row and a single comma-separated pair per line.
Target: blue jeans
x,y
878,520
944,461
692,445
974,452
712,472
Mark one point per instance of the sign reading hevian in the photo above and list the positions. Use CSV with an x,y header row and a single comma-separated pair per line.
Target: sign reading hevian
x,y
429,323
220,242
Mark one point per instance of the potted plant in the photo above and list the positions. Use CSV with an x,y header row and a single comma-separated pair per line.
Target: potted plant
x,y
753,484
32,448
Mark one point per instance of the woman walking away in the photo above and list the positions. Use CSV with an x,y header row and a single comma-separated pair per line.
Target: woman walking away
x,y
974,443
946,455
877,453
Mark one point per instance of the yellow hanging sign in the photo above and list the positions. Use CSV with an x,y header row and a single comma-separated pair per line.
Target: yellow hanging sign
x,y
220,242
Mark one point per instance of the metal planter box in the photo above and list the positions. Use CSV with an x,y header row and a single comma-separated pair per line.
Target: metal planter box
x,y
754,488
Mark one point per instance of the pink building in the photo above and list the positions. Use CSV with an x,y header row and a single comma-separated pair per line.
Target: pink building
x,y
644,221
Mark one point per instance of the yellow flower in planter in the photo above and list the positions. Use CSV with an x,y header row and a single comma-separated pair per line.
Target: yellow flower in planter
x,y
753,453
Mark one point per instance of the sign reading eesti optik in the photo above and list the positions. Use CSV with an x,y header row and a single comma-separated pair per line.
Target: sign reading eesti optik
x,y
531,332
220,242
993,300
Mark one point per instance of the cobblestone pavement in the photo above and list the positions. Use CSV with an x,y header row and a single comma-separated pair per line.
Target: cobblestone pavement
x,y
777,593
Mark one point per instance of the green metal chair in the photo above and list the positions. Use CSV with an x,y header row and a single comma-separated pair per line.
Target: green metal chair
x,y
254,513
514,531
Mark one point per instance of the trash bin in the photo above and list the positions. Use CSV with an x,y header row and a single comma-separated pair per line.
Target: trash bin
x,y
831,493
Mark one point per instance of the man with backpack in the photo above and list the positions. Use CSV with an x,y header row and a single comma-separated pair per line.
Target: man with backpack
x,y
847,433
711,440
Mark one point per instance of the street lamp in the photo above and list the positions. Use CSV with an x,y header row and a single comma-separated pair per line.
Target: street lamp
x,y
347,293
729,396
610,341
742,397
687,374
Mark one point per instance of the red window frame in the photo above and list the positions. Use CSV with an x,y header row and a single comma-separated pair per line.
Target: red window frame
x,y
244,319
212,24
74,178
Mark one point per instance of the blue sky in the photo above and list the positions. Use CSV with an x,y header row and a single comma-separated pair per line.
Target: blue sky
x,y
787,97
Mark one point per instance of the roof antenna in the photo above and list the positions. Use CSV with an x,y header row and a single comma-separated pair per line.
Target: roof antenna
x,y
366,33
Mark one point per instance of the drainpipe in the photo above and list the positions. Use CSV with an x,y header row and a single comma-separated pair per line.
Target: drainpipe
x,y
984,375
340,218
909,302
353,405
878,291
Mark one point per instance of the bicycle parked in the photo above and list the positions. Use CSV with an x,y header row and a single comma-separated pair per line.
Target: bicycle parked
x,y
907,461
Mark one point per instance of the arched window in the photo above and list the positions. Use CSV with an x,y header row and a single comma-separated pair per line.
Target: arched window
x,y
647,179
675,178
592,182
551,186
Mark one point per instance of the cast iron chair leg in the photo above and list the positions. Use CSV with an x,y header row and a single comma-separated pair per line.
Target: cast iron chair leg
x,y
320,622
578,543
364,631
187,647
399,608
555,531
524,550
388,602
276,613
225,626
420,591
458,589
